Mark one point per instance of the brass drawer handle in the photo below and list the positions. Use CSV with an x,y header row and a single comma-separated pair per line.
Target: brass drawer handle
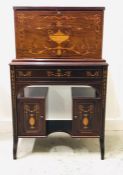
x,y
24,74
94,74
58,73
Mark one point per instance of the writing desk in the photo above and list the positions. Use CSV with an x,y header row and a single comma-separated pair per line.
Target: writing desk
x,y
58,46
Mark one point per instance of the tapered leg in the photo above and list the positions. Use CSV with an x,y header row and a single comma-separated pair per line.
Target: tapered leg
x,y
15,144
102,149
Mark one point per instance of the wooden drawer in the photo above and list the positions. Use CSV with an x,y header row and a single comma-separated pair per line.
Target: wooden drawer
x,y
59,73
31,115
86,114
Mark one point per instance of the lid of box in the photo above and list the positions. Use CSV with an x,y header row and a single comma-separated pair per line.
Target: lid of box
x,y
58,33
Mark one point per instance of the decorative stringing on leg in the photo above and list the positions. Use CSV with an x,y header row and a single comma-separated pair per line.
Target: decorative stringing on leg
x,y
13,88
102,137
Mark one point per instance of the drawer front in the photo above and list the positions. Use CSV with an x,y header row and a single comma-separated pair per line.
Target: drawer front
x,y
86,117
58,33
58,73
31,117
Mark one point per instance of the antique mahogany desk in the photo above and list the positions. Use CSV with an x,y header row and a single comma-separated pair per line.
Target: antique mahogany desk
x,y
58,46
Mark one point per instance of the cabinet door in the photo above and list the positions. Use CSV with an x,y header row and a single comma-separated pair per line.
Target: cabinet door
x,y
31,117
86,117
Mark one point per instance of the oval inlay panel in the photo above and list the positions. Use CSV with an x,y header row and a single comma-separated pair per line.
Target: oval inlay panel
x,y
32,121
85,121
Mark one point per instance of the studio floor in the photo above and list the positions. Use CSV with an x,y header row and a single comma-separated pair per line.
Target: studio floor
x,y
59,154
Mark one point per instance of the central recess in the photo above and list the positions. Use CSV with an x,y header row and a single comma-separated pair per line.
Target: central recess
x,y
59,106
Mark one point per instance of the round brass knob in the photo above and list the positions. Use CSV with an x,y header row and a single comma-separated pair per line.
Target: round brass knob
x,y
58,12
75,117
42,116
